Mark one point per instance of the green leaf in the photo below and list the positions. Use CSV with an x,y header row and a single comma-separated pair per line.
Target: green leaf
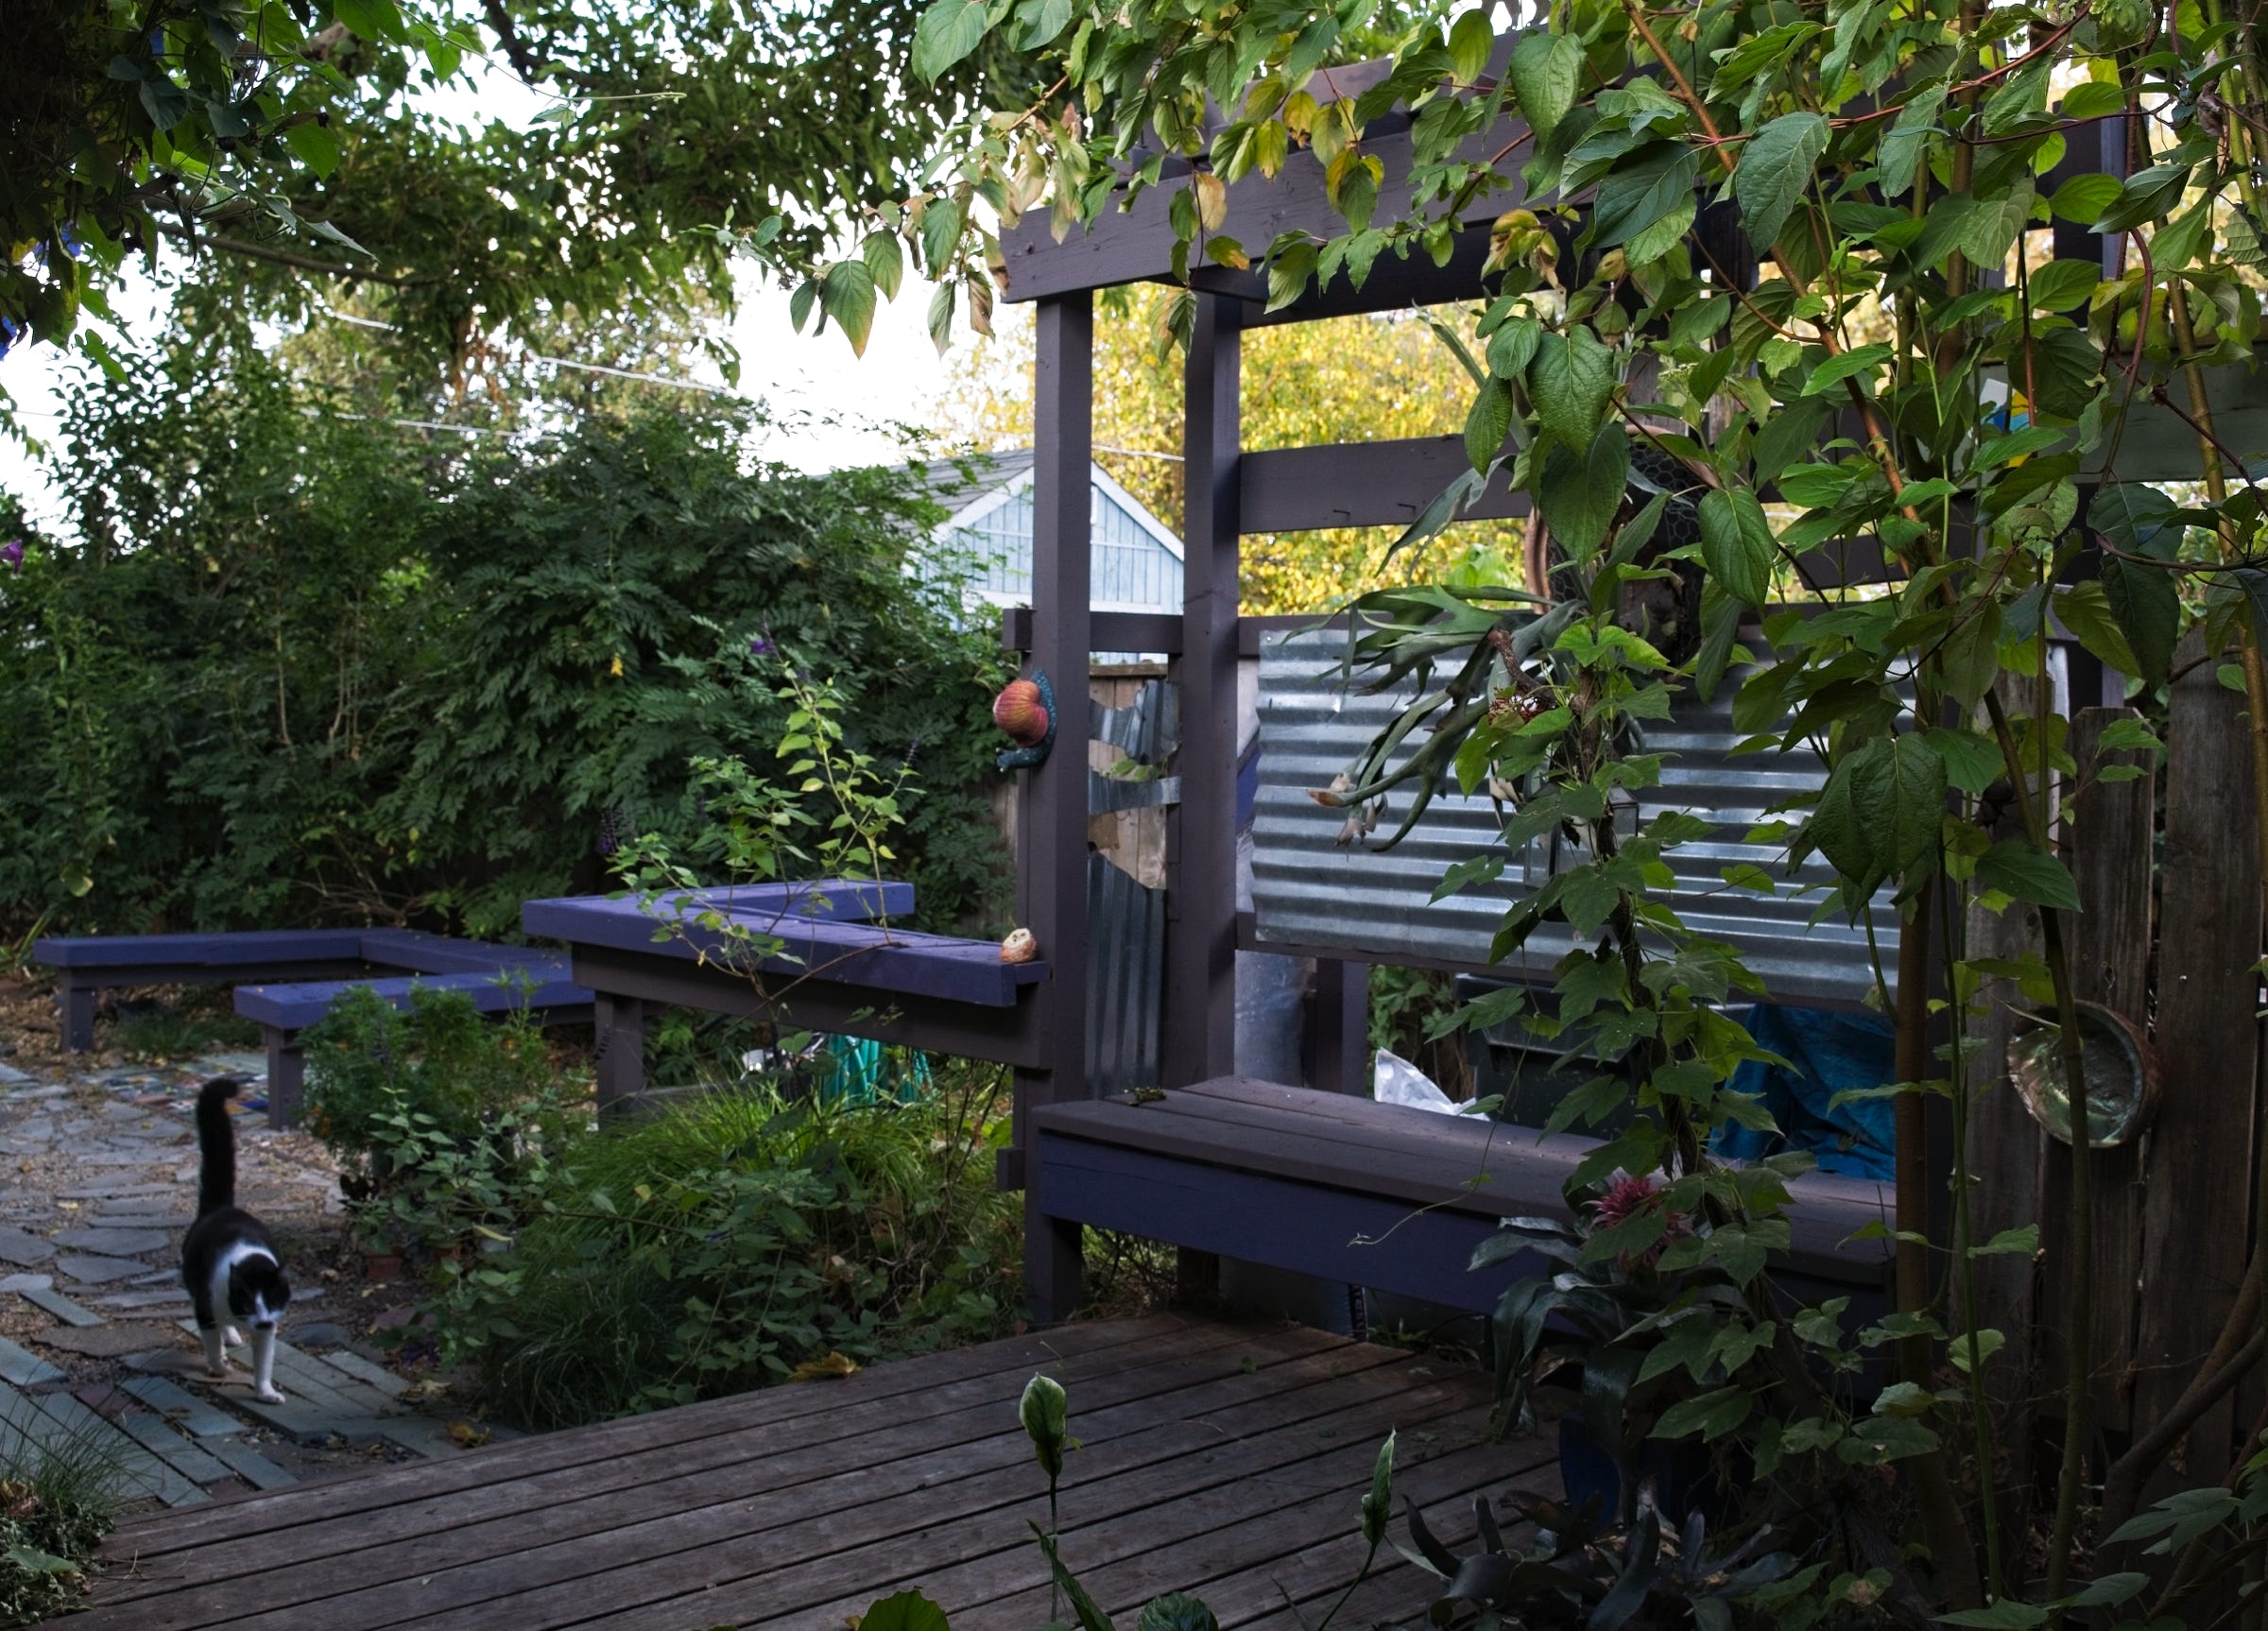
x,y
847,295
1903,148
1546,71
1880,811
2017,869
2023,1242
1042,21
1859,365
906,1611
372,20
1470,39
1713,1415
1776,168
1634,196
1378,1501
1290,265
1487,423
2085,610
2149,197
1972,762
2005,1615
1046,1411
2063,285
948,32
2148,610
1736,545
2082,199
317,146
1579,496
941,224
1570,380
2254,582
1175,1611
885,260
1512,347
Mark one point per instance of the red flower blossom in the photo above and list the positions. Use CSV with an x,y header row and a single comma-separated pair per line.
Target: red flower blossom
x,y
1628,1196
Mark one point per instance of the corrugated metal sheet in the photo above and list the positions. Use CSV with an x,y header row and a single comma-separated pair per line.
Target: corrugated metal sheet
x,y
1125,955
1126,979
1309,890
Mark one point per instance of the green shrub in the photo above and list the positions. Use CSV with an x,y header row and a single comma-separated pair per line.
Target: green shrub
x,y
720,1245
442,1121
291,669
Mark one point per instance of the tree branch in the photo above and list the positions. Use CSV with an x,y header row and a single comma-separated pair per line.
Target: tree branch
x,y
284,257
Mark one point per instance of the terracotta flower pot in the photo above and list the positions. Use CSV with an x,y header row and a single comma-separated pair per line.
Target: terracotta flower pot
x,y
381,1268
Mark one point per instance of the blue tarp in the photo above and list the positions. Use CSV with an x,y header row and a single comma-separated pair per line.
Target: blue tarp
x,y
1831,1051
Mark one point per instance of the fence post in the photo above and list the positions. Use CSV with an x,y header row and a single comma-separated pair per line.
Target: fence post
x,y
2197,1169
1051,822
1200,911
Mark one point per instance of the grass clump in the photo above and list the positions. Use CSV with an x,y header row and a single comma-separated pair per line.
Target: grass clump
x,y
57,1503
726,1242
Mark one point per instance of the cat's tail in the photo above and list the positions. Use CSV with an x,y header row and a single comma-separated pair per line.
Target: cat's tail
x,y
216,1144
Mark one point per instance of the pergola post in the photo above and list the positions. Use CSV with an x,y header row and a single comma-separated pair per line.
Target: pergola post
x,y
1200,911
1052,863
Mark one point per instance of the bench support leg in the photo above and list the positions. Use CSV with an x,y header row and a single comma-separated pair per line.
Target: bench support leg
x,y
286,1075
620,1023
75,1008
1052,1253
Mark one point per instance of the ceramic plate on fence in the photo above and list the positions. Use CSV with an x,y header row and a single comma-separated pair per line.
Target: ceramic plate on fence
x,y
2116,1060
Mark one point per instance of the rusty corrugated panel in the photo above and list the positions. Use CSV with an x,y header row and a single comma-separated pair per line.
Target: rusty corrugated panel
x,y
1310,890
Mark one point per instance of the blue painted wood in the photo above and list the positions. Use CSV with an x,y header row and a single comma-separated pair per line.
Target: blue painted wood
x,y
1376,1241
882,959
1336,1234
293,1007
188,951
844,899
423,953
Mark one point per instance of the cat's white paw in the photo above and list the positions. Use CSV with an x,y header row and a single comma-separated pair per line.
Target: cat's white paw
x,y
231,1337
267,1395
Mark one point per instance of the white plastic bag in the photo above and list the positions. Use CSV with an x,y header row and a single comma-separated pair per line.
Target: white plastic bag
x,y
1396,1081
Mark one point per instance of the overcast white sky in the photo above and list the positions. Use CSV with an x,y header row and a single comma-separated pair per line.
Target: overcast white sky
x,y
849,399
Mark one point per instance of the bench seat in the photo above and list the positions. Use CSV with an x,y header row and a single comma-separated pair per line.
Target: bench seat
x,y
1372,1195
882,959
284,1011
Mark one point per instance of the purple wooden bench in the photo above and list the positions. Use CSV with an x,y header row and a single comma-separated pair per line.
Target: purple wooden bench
x,y
537,985
287,979
839,966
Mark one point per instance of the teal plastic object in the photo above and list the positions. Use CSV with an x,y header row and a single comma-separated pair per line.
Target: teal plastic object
x,y
857,1070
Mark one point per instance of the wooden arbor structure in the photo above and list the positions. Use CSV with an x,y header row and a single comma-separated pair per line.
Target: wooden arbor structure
x,y
1281,1176
1236,1167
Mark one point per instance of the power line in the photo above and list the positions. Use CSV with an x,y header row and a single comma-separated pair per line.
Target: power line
x,y
554,362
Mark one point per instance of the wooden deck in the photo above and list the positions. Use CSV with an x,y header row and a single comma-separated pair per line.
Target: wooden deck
x,y
1219,1458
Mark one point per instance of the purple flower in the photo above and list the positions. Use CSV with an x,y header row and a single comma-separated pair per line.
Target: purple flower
x,y
12,552
759,647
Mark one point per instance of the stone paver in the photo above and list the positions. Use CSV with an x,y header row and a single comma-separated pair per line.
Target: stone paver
x,y
24,1248
112,1241
101,1341
55,1303
98,1270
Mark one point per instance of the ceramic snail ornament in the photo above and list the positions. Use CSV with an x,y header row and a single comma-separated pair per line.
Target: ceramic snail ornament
x,y
1025,709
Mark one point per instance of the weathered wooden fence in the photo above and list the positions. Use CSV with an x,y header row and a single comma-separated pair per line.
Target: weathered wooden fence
x,y
2169,877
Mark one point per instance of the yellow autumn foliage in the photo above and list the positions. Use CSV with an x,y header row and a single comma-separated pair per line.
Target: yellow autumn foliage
x,y
1347,379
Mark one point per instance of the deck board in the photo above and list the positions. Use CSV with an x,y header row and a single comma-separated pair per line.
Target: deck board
x,y
1210,1452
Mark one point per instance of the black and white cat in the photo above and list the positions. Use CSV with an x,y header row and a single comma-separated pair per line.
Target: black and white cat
x,y
228,1262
